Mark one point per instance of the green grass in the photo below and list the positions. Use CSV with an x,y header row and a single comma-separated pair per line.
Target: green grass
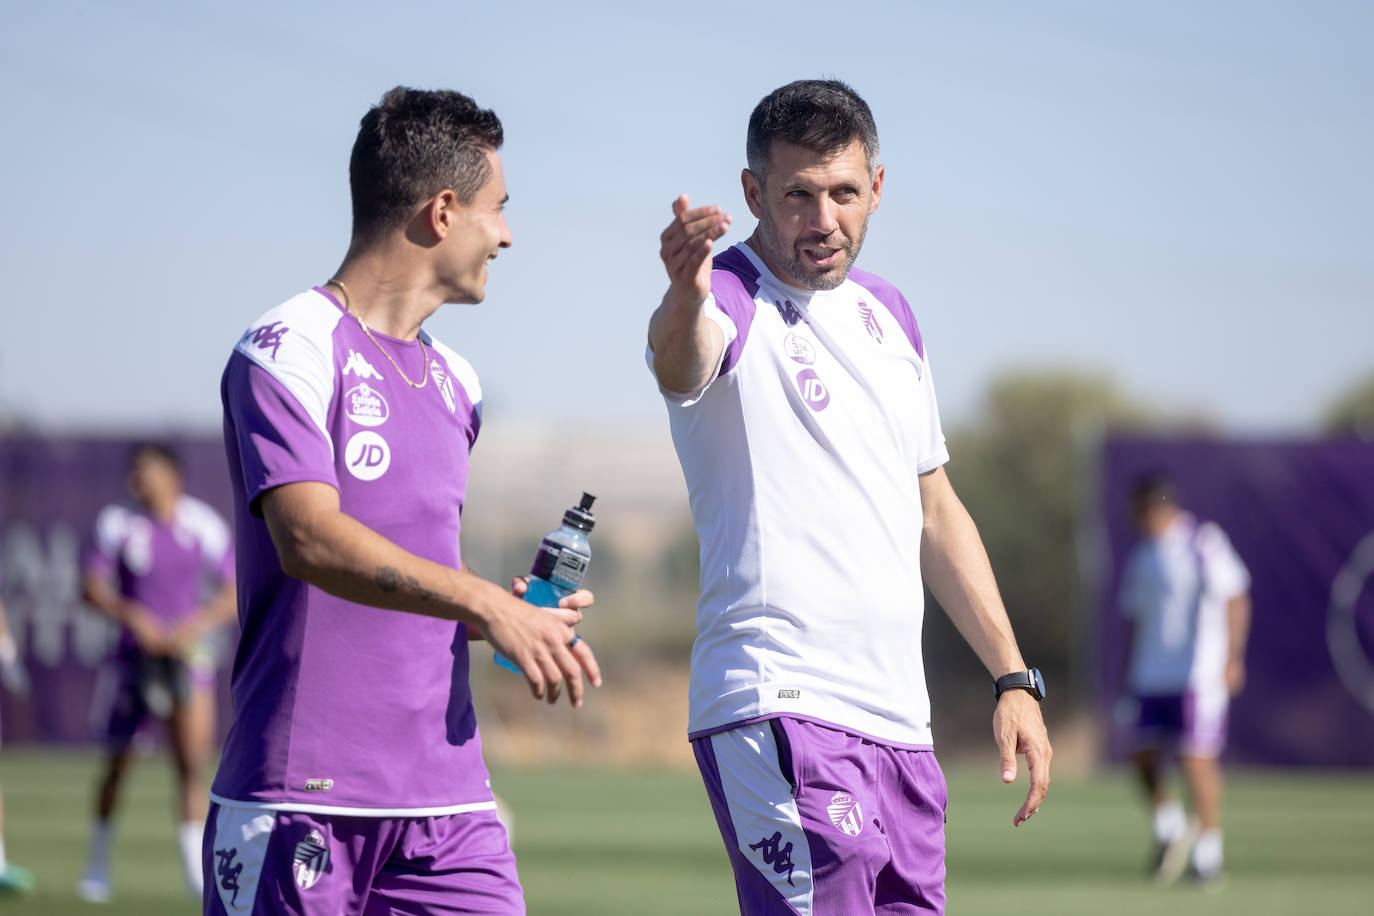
x,y
595,843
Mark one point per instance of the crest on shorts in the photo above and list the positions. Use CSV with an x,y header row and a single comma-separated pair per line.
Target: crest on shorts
x,y
310,861
846,814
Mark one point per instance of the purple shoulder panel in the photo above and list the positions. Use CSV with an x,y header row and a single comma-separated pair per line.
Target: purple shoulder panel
x,y
895,302
734,283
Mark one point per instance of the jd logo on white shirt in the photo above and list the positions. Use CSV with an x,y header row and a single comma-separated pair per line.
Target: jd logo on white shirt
x,y
813,390
367,455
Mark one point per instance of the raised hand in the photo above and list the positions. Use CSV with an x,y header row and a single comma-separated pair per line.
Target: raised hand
x,y
686,250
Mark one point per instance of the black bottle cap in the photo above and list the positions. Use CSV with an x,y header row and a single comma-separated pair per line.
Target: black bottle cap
x,y
580,516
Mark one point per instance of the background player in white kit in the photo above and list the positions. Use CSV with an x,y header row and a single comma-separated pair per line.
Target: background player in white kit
x,y
1185,594
163,569
803,412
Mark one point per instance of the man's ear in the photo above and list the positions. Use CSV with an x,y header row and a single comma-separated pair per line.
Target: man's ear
x,y
442,213
878,176
753,192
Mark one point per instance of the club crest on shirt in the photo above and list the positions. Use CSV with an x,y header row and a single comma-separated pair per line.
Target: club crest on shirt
x,y
798,349
365,405
871,325
310,861
444,383
367,455
846,814
813,390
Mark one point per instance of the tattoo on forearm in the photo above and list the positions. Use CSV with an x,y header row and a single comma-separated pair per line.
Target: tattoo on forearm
x,y
389,580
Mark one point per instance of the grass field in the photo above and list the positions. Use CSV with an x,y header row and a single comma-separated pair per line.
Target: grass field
x,y
633,842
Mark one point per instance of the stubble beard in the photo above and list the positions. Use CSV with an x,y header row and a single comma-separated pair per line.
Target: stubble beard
x,y
806,276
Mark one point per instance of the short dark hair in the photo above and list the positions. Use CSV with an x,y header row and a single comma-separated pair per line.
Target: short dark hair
x,y
162,451
1153,488
824,116
412,145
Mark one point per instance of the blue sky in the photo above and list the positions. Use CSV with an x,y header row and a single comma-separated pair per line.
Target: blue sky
x,y
1178,193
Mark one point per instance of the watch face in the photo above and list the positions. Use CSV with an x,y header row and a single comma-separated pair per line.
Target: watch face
x,y
1038,680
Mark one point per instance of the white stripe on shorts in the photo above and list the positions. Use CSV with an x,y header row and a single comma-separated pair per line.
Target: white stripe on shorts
x,y
241,836
763,811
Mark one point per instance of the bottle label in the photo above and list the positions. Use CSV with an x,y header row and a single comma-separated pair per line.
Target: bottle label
x,y
560,565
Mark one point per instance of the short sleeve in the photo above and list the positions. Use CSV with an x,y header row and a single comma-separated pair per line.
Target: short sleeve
x,y
1227,576
278,438
100,553
930,447
730,305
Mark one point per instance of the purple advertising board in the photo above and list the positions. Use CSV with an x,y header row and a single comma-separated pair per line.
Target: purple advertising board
x,y
1301,516
51,488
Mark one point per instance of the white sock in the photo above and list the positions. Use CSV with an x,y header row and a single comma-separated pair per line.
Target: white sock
x,y
190,833
98,865
1169,821
1207,853
4,863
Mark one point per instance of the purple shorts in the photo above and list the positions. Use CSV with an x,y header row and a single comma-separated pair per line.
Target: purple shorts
x,y
288,862
821,822
1194,723
133,687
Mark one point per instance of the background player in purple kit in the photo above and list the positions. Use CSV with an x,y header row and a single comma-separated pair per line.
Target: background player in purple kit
x,y
803,412
149,566
352,778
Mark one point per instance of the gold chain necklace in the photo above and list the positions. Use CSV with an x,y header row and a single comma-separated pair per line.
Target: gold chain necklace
x,y
348,307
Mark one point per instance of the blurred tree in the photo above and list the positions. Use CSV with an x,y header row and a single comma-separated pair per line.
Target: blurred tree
x,y
1025,468
1352,413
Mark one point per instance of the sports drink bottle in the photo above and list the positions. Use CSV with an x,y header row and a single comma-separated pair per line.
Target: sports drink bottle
x,y
560,563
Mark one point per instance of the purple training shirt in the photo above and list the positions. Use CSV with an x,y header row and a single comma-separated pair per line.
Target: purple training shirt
x,y
340,707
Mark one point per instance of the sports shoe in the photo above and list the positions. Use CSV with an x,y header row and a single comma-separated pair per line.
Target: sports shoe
x,y
16,879
1171,858
93,890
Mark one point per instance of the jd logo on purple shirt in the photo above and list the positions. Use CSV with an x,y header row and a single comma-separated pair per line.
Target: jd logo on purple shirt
x,y
367,456
813,390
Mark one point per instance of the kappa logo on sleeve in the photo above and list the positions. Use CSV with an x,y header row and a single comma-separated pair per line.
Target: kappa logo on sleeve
x,y
268,335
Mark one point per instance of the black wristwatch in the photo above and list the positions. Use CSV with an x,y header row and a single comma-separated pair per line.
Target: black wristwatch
x,y
1030,680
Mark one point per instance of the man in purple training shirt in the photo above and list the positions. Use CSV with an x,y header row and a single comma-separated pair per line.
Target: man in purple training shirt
x,y
352,778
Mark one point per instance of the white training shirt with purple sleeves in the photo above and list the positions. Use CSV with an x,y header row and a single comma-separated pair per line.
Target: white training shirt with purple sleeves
x,y
801,457
339,707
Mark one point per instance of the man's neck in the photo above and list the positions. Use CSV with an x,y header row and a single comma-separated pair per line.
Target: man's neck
x,y
390,292
161,510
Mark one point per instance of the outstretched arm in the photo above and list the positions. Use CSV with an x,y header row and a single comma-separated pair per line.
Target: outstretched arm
x,y
686,344
318,543
955,566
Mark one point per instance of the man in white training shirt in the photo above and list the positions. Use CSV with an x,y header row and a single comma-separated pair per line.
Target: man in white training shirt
x,y
1185,594
802,408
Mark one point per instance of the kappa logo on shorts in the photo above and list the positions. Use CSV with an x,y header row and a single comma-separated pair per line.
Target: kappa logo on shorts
x,y
846,814
774,854
367,455
310,861
227,872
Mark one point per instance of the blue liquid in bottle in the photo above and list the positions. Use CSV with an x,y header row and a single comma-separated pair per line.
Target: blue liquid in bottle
x,y
560,564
